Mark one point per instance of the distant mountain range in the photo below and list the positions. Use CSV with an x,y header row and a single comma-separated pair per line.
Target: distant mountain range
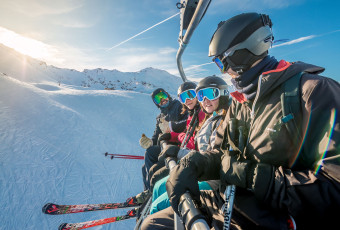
x,y
30,70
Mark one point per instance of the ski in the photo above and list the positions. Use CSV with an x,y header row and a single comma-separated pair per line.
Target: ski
x,y
92,223
57,209
124,156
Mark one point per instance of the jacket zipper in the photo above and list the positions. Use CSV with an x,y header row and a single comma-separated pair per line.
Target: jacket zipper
x,y
252,113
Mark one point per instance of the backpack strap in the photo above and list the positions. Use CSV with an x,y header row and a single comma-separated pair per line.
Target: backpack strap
x,y
291,107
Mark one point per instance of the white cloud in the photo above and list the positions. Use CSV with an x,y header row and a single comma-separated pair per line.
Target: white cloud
x,y
167,50
298,40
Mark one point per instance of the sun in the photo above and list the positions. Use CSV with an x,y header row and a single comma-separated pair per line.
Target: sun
x,y
24,45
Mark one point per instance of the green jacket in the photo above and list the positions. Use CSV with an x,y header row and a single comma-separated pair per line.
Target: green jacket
x,y
301,180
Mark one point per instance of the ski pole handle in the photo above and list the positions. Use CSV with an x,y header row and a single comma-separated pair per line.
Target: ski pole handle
x,y
191,215
170,163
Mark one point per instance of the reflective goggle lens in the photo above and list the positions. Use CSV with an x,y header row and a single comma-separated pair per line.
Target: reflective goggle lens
x,y
188,94
219,64
159,96
210,93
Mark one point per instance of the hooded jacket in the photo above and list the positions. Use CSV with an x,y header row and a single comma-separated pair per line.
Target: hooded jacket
x,y
299,180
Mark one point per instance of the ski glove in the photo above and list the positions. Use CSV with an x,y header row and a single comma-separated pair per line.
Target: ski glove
x,y
164,137
145,142
237,171
168,151
183,178
164,125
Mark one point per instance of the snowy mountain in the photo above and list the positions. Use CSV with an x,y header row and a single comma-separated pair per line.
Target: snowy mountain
x,y
27,69
55,126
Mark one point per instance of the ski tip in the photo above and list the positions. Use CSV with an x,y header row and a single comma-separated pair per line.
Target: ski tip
x,y
62,226
46,207
50,209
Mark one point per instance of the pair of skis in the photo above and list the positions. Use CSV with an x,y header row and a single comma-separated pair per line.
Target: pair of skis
x,y
56,209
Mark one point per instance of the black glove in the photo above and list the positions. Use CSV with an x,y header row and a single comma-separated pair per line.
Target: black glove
x,y
164,137
237,171
168,151
183,178
159,174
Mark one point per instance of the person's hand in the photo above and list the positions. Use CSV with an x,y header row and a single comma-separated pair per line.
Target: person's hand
x,y
183,178
164,125
164,137
145,142
236,171
168,151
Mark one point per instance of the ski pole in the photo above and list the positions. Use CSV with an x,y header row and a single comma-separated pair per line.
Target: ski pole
x,y
130,158
115,154
124,156
191,125
229,193
192,218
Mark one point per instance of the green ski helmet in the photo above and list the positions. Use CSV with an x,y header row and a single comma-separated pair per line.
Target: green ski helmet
x,y
240,41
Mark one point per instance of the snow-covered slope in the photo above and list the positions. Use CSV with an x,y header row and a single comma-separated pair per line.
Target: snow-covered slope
x,y
54,131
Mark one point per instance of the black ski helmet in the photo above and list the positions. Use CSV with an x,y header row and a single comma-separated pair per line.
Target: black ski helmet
x,y
242,40
212,81
186,86
156,91
215,82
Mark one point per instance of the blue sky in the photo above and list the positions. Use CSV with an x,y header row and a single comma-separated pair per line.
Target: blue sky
x,y
87,34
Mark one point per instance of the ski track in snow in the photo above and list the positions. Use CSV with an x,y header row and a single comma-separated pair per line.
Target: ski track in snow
x,y
52,144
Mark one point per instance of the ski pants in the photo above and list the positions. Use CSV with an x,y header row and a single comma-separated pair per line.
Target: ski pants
x,y
164,219
160,199
247,214
151,158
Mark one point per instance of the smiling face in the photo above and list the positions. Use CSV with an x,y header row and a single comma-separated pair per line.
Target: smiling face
x,y
190,103
210,106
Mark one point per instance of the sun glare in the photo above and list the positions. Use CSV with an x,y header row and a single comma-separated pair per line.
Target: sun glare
x,y
24,45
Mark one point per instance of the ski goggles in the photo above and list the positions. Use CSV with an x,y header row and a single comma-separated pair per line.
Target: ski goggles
x,y
209,93
188,94
159,96
221,64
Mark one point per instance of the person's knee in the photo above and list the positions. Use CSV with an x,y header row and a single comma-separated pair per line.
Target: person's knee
x,y
147,223
153,152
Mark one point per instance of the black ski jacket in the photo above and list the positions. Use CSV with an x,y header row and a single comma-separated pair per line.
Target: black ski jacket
x,y
171,113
